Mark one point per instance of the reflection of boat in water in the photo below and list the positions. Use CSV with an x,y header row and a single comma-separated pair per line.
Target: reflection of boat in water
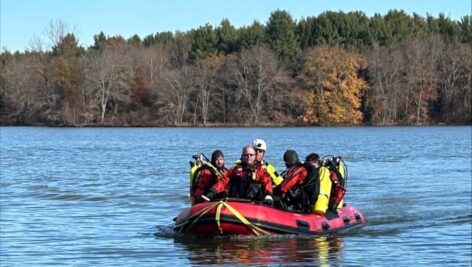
x,y
241,217
278,250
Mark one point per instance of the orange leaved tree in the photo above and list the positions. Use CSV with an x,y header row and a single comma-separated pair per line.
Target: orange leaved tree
x,y
333,87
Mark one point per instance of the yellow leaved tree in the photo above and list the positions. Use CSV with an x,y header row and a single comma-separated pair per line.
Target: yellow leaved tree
x,y
330,76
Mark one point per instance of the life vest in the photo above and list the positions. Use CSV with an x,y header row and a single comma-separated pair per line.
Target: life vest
x,y
244,184
270,169
297,197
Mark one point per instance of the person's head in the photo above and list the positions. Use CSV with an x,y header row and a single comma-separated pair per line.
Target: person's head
x,y
260,147
313,159
291,158
248,155
218,159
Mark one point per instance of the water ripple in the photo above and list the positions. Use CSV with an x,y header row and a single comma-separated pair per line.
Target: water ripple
x,y
106,197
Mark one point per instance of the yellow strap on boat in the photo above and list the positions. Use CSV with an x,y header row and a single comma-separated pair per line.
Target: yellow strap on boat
x,y
218,216
219,206
200,214
255,229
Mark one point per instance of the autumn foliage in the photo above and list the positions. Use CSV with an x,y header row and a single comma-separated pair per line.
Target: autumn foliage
x,y
332,69
330,76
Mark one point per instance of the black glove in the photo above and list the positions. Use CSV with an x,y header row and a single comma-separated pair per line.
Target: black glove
x,y
296,192
277,198
211,194
268,200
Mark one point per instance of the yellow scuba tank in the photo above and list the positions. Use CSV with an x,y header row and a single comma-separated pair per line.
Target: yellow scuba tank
x,y
274,175
321,205
194,166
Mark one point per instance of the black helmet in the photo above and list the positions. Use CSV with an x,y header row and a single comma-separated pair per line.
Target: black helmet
x,y
291,158
313,157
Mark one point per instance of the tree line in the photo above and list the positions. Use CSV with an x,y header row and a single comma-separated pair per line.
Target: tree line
x,y
332,69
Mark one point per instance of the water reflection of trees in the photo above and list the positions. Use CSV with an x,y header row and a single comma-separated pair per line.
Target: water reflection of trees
x,y
317,251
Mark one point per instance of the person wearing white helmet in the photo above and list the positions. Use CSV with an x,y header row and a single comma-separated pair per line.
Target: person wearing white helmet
x,y
260,146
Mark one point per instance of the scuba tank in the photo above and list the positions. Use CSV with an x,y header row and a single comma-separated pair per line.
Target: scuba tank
x,y
338,177
274,175
342,168
200,160
194,167
336,163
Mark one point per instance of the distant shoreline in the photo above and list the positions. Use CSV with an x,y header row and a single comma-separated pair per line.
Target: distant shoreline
x,y
229,125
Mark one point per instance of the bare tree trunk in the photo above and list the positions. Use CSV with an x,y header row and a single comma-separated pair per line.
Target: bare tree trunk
x,y
419,105
255,77
195,112
108,73
176,92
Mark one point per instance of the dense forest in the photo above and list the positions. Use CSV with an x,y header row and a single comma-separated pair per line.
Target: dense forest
x,y
332,69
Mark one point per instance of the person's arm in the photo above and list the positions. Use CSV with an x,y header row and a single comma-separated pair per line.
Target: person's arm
x,y
265,180
266,183
220,186
297,177
204,180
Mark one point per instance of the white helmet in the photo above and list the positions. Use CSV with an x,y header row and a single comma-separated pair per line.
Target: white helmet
x,y
259,144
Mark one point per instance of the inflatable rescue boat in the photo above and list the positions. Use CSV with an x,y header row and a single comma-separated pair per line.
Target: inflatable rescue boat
x,y
242,217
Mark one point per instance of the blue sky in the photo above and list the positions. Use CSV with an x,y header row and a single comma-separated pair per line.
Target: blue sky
x,y
21,20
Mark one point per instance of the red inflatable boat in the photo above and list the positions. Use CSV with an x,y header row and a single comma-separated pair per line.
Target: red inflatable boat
x,y
241,217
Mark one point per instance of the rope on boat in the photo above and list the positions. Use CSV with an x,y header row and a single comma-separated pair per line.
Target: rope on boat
x,y
219,206
255,229
199,214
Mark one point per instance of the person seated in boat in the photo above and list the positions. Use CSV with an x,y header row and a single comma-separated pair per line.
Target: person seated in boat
x,y
260,147
289,195
318,184
206,176
246,180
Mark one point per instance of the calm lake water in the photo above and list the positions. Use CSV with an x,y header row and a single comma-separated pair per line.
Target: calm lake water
x,y
107,196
